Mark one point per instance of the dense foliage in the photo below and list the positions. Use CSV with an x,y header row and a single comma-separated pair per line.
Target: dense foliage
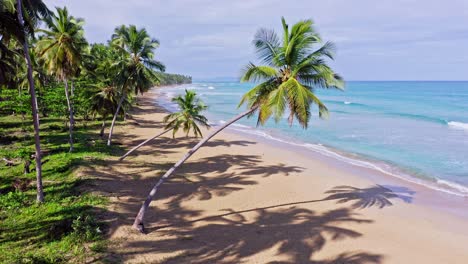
x,y
49,68
172,79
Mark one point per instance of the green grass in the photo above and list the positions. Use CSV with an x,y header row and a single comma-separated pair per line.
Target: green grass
x,y
64,229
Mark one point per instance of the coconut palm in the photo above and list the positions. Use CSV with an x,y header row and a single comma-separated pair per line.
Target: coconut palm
x,y
99,63
19,20
136,69
188,118
189,115
104,103
293,68
61,49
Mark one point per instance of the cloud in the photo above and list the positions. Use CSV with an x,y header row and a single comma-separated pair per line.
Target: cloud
x,y
386,39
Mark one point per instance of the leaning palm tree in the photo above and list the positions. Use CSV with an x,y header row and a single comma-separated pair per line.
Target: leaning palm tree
x,y
294,68
21,28
61,49
188,118
136,69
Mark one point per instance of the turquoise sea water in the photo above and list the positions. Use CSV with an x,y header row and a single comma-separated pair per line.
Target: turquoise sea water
x,y
414,130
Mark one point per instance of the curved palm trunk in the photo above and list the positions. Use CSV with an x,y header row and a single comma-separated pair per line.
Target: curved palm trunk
x,y
138,223
35,112
70,111
109,139
143,143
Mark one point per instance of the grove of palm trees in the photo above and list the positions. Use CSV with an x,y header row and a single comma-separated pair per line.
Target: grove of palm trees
x,y
56,90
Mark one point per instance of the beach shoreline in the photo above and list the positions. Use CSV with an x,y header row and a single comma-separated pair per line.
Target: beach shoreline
x,y
430,194
242,199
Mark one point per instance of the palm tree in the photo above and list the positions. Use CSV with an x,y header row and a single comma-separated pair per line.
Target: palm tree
x,y
104,103
188,118
61,49
136,71
27,16
294,68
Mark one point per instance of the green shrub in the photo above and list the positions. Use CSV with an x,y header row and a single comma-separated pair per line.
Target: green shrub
x,y
13,200
86,228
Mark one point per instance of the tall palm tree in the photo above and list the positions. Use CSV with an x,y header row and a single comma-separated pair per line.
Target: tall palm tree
x,y
294,68
61,49
19,20
188,118
136,70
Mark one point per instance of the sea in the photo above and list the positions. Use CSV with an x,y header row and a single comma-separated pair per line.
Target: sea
x,y
413,130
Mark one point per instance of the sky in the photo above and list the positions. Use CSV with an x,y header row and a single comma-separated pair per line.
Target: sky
x,y
376,40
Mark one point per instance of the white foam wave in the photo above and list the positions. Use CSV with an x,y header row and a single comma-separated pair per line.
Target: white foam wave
x,y
458,125
241,126
347,102
452,185
211,88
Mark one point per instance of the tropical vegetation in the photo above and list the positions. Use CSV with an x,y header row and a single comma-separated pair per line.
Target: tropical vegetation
x,y
46,135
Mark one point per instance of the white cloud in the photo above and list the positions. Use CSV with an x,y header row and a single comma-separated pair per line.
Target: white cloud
x,y
212,37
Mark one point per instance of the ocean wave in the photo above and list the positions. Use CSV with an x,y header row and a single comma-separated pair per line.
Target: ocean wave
x,y
452,185
419,117
458,125
211,88
349,103
431,183
340,112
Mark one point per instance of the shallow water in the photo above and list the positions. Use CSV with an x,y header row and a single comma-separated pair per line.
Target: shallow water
x,y
414,130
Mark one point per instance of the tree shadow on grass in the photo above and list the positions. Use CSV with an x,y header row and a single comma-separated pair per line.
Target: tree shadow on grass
x,y
48,222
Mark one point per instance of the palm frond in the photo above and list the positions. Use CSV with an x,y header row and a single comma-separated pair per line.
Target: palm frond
x,y
254,73
267,45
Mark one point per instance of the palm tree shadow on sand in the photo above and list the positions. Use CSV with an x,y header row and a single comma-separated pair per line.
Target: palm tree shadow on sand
x,y
379,196
299,233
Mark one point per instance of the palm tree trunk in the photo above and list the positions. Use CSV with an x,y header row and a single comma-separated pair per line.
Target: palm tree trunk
x,y
143,143
101,133
70,111
35,112
109,139
138,223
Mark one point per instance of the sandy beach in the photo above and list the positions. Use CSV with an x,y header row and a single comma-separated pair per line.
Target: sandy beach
x,y
241,199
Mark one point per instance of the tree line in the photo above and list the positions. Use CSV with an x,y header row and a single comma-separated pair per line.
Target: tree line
x,y
48,68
